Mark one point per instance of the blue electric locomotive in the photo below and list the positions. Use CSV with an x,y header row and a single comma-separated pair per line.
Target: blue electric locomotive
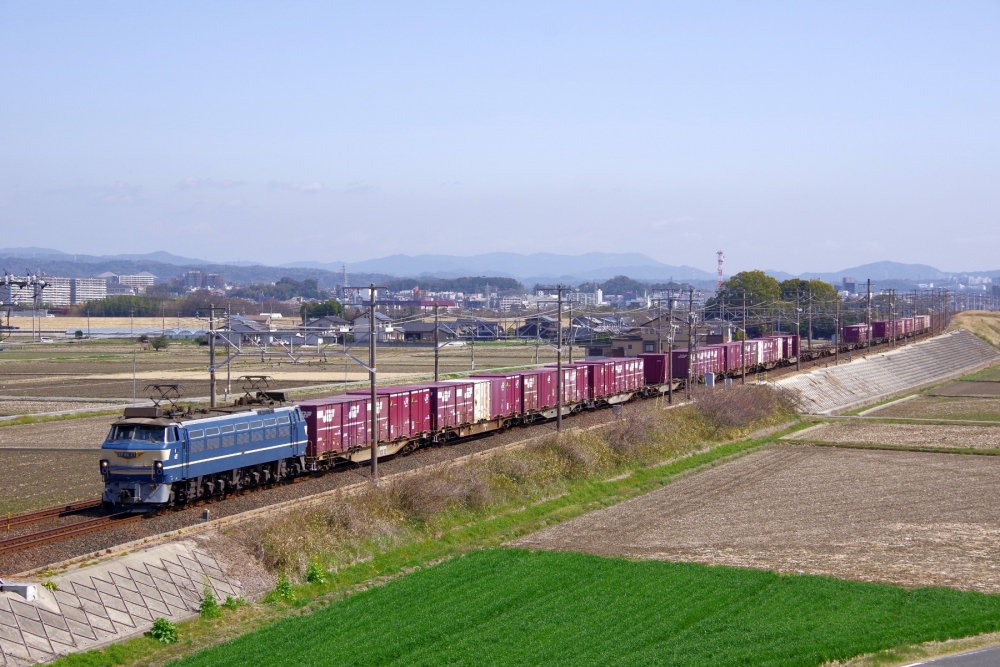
x,y
153,457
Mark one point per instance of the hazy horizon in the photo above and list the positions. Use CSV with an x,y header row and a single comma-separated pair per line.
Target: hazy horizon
x,y
795,138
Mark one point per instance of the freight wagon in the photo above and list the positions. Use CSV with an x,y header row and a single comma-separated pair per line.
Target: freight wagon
x,y
703,361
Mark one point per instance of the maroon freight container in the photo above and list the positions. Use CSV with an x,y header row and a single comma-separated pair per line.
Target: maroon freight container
x,y
770,350
575,384
855,333
707,359
634,377
406,411
323,424
596,382
880,329
336,423
538,389
505,393
732,356
451,404
654,367
600,377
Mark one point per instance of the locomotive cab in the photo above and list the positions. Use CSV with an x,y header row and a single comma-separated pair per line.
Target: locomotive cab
x,y
136,457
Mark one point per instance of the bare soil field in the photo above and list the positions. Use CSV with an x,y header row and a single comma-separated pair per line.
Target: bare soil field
x,y
36,407
939,407
103,368
39,478
908,435
82,433
906,518
975,389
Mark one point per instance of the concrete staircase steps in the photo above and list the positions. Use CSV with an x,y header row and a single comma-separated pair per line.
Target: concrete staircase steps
x,y
866,380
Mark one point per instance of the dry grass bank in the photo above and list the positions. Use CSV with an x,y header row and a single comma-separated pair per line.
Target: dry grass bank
x,y
983,323
430,505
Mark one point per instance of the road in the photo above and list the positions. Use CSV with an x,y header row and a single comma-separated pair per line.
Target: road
x,y
984,657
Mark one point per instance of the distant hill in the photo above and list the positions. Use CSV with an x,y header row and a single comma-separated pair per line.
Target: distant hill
x,y
529,269
536,267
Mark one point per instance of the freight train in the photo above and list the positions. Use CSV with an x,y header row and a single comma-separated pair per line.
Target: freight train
x,y
158,457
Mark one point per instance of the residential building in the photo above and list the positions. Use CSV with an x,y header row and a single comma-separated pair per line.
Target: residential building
x,y
386,333
83,290
139,280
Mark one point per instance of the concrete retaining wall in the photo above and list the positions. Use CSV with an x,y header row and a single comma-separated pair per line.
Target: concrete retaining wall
x,y
870,379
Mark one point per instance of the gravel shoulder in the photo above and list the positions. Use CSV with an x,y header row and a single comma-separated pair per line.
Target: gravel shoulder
x,y
907,435
906,518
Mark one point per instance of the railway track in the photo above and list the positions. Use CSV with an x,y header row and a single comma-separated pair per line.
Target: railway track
x,y
37,538
28,518
62,532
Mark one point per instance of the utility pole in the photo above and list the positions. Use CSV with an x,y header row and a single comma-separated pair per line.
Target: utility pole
x,y
836,329
810,319
211,355
437,344
743,343
572,335
798,330
868,318
892,321
559,373
687,385
670,350
372,333
659,327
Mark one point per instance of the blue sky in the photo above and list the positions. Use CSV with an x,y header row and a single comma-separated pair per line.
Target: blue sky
x,y
276,132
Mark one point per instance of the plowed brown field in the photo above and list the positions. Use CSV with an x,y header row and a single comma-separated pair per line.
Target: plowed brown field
x,y
908,518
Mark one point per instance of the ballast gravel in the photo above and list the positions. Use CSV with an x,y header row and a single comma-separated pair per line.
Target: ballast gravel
x,y
29,559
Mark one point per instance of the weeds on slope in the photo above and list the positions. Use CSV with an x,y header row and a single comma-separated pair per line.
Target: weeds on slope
x,y
356,528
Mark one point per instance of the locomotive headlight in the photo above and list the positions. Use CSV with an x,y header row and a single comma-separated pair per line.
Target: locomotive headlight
x,y
104,467
157,467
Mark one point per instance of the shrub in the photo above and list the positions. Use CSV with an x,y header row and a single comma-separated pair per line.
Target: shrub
x,y
315,574
232,603
51,585
282,592
78,334
209,606
736,407
163,631
159,342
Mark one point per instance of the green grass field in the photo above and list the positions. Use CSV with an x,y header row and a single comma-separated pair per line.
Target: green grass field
x,y
991,374
513,607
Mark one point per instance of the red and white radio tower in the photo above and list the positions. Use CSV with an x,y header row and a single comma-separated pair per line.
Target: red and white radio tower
x,y
718,285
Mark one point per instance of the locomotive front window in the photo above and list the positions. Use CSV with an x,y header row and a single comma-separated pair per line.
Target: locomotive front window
x,y
137,433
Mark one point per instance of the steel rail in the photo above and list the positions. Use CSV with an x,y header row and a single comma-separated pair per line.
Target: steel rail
x,y
61,532
27,518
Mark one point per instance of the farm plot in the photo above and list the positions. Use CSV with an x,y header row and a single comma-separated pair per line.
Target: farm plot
x,y
81,433
903,435
908,518
29,407
511,607
934,407
31,480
